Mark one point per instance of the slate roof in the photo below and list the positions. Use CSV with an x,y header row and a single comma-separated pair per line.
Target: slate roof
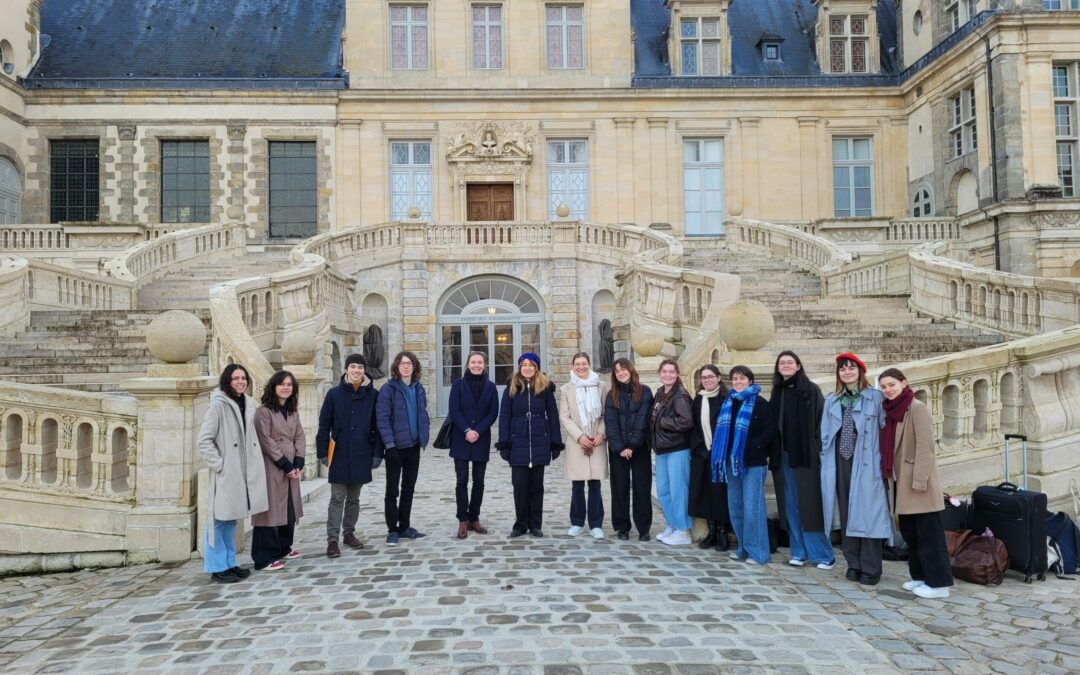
x,y
792,20
191,44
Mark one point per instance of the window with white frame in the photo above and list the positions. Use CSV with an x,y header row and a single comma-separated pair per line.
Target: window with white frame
x,y
699,45
409,37
1061,4
410,178
853,168
963,133
922,202
487,36
703,185
960,12
848,41
568,177
1066,108
565,26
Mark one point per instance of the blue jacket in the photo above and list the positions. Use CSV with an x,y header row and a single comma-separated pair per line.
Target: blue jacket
x,y
479,416
627,426
529,426
348,417
868,505
392,413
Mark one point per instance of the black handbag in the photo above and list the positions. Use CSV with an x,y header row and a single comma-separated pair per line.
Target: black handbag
x,y
442,439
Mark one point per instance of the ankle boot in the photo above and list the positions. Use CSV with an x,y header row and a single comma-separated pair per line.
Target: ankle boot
x,y
462,529
710,539
722,543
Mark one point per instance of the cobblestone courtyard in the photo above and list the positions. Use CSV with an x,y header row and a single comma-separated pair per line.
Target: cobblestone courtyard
x,y
553,605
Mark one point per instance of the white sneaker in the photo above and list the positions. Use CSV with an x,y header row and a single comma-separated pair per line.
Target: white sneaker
x,y
930,592
575,530
826,566
912,585
796,562
751,561
666,533
679,538
734,556
597,533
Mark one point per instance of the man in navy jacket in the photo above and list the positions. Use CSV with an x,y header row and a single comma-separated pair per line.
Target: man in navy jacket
x,y
404,426
347,420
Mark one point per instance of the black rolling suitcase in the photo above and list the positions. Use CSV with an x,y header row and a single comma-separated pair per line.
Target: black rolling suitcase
x,y
1016,516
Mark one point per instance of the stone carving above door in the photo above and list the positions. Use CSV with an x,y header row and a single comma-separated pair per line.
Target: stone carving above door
x,y
490,140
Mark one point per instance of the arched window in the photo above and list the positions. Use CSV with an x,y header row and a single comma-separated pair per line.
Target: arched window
x,y
922,202
10,192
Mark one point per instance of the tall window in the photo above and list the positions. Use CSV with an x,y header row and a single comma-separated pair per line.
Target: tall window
x,y
848,42
73,181
185,182
409,36
10,192
703,185
568,177
1066,109
922,204
853,192
410,178
1061,4
565,36
293,189
963,137
699,41
960,12
487,36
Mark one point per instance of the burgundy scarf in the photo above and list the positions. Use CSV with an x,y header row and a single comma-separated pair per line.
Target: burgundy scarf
x,y
894,415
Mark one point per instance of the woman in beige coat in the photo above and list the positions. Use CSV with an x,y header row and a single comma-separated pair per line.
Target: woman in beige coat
x,y
581,413
282,440
907,457
228,445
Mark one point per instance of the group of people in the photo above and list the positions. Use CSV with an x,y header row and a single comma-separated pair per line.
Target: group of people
x,y
848,461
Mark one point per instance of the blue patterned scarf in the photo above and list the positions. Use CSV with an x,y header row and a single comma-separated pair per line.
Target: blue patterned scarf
x,y
720,456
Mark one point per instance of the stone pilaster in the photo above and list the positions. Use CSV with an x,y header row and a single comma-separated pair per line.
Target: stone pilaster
x,y
235,171
809,147
751,165
348,175
565,332
125,167
624,166
658,161
1009,126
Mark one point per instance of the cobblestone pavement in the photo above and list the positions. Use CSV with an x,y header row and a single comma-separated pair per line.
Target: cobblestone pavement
x,y
494,605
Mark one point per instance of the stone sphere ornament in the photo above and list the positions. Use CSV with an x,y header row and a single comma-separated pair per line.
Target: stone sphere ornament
x,y
176,336
562,210
413,213
746,326
299,348
647,342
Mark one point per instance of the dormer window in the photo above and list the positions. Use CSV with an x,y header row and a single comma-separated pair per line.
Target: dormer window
x,y
769,46
847,44
847,37
699,40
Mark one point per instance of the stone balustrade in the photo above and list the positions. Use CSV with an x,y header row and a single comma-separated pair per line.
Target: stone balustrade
x,y
1010,304
14,294
881,275
923,230
24,237
806,250
51,286
156,257
68,443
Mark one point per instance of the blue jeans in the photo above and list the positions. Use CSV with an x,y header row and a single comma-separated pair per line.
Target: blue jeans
x,y
222,555
746,506
673,487
580,508
812,546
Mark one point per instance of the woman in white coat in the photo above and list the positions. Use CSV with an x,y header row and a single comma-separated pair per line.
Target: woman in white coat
x,y
581,413
230,447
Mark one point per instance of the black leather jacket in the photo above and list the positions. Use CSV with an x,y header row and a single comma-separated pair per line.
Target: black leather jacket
x,y
672,420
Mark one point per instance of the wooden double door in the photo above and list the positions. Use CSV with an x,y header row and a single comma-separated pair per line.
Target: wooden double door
x,y
490,201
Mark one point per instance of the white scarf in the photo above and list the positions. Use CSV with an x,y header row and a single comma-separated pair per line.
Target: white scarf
x,y
588,400
706,422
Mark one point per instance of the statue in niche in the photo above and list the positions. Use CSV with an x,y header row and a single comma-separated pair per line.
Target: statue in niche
x,y
374,352
605,356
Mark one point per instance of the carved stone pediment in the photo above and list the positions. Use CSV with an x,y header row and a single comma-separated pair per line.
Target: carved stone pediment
x,y
490,141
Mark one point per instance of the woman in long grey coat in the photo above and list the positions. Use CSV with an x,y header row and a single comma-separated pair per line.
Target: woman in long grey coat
x,y
229,446
581,413
281,437
851,469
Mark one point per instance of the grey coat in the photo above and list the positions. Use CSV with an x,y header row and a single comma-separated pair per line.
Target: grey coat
x,y
868,505
230,448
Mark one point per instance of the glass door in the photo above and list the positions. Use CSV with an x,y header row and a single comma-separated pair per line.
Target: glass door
x,y
501,343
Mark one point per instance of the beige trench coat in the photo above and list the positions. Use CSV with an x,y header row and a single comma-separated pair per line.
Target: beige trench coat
x,y
279,437
230,449
576,465
918,487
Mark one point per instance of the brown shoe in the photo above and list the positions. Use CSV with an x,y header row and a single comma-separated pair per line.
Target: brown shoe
x,y
462,530
352,542
332,550
476,527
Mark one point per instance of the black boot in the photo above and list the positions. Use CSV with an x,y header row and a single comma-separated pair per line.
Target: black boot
x,y
710,539
722,543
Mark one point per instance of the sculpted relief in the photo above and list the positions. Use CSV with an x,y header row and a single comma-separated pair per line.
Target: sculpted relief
x,y
491,141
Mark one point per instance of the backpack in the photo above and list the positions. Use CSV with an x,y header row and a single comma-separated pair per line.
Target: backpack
x,y
1063,534
980,559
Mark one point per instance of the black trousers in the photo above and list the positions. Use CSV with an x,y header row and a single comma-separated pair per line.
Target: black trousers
x,y
861,553
625,474
404,469
468,507
528,497
929,557
273,543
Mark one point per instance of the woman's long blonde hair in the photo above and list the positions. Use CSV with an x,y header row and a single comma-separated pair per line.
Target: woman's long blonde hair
x,y
540,381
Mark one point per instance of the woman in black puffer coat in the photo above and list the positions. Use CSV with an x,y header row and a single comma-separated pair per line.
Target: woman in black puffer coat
x,y
626,420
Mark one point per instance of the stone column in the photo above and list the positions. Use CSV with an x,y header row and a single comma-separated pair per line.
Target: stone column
x,y
126,168
624,166
658,169
172,401
235,171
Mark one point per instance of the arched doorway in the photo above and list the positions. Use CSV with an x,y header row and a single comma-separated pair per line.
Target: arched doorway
x,y
496,315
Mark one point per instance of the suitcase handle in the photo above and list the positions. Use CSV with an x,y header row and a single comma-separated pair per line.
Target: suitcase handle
x,y
1008,487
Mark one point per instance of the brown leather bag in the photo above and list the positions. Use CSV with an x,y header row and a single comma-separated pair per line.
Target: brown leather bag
x,y
980,559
